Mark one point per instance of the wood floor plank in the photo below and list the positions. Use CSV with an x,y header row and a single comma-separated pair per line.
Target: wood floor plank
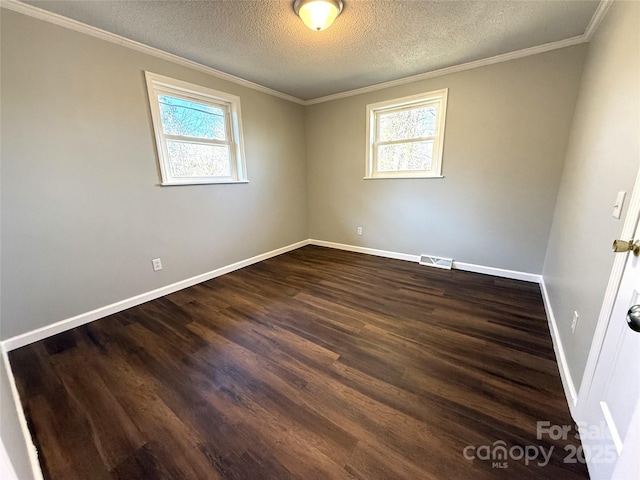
x,y
65,438
316,364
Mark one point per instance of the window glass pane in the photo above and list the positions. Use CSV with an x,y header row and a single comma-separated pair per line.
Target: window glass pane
x,y
198,160
191,119
410,123
405,157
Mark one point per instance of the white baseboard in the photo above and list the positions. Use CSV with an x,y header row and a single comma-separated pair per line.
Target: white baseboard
x,y
31,448
498,272
468,267
368,251
69,323
565,374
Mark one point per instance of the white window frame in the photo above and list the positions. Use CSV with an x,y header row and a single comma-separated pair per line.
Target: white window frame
x,y
438,97
230,104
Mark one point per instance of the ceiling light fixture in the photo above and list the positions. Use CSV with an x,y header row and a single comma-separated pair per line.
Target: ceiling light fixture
x,y
318,14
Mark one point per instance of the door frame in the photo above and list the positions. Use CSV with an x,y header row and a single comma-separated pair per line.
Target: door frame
x,y
611,292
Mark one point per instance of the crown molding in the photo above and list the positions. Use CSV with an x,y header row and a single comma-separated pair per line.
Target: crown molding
x,y
65,22
594,23
505,57
597,18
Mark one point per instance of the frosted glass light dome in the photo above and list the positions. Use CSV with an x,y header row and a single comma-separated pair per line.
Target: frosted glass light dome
x,y
318,14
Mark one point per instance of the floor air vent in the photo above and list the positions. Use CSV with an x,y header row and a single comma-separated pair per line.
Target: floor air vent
x,y
437,262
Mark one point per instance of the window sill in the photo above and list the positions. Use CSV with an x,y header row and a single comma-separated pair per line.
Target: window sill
x,y
203,182
394,177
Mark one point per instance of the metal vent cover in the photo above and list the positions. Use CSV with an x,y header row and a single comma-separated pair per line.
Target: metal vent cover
x,y
438,262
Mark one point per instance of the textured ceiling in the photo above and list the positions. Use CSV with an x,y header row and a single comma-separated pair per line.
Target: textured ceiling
x,y
372,41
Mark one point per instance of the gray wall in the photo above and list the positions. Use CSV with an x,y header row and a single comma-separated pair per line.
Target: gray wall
x,y
82,212
505,141
602,159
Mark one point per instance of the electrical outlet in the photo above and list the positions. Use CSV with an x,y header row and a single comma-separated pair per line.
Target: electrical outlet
x,y
157,264
359,230
576,317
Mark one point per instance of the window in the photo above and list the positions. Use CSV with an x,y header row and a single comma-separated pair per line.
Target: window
x,y
198,132
405,136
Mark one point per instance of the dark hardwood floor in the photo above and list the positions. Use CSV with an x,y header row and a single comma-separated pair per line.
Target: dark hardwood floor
x,y
315,364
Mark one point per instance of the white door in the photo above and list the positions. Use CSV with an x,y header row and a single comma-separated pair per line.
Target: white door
x,y
611,418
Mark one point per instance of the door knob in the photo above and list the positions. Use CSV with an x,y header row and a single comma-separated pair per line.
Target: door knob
x,y
622,246
633,318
